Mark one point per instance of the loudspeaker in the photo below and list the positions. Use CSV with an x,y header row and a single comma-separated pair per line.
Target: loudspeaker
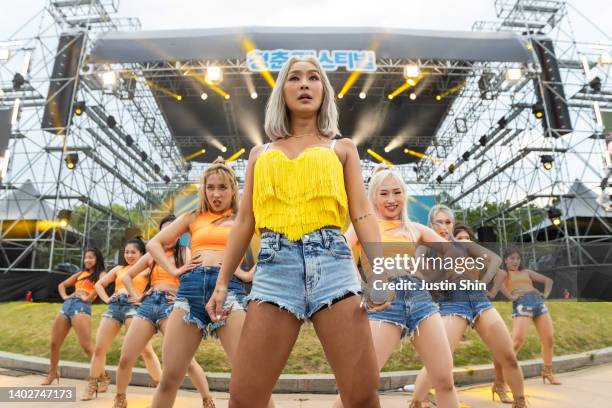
x,y
61,86
557,118
486,233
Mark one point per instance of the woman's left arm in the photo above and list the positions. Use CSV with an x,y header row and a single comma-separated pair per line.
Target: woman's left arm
x,y
548,283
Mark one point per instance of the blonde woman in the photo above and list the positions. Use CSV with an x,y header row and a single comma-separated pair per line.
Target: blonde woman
x,y
298,191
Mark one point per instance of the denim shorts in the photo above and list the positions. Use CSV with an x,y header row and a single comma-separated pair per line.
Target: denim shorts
x,y
155,308
119,309
196,289
408,309
468,304
529,305
304,276
74,306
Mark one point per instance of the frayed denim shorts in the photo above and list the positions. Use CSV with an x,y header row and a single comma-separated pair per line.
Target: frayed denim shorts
x,y
468,304
304,276
195,290
155,307
408,309
529,305
74,306
120,310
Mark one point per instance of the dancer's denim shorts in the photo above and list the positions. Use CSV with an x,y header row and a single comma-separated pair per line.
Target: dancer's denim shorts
x,y
155,307
196,289
74,306
529,305
408,309
304,276
468,304
120,310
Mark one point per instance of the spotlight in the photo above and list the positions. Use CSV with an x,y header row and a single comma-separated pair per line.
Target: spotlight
x,y
64,217
109,79
513,74
547,161
502,122
223,149
438,97
143,156
538,110
179,97
466,156
412,96
128,140
156,168
554,215
226,96
166,179
79,108
411,82
18,81
439,179
451,168
483,140
415,169
340,96
253,95
362,95
595,84
390,96
411,71
71,160
214,75
204,96
111,122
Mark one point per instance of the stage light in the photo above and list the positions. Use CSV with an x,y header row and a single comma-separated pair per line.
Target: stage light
x,y
179,97
167,179
554,215
5,55
223,149
195,154
387,149
111,122
144,156
538,110
604,58
18,81
128,140
411,71
502,122
109,79
362,95
156,168
390,96
451,168
214,75
465,156
253,95
226,96
340,96
595,84
547,161
483,140
412,96
71,159
204,96
79,108
438,98
439,179
236,155
513,74
64,217
411,82
378,157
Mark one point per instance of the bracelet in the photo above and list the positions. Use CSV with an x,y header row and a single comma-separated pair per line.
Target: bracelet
x,y
356,220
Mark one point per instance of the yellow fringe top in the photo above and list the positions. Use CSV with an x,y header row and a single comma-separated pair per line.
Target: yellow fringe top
x,y
298,196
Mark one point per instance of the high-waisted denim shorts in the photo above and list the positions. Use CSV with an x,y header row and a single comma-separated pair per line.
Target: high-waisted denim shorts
x,y
120,310
74,306
409,308
304,276
529,305
155,308
196,289
468,304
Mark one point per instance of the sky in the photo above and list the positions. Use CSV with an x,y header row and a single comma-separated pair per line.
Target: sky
x,y
421,14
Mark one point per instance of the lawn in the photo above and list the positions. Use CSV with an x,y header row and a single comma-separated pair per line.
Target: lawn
x,y
579,326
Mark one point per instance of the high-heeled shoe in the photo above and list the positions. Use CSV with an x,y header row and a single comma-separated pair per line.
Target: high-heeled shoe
x,y
103,382
120,401
91,390
547,374
519,402
208,402
502,393
418,404
51,376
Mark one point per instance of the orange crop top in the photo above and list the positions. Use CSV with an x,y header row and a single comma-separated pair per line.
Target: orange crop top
x,y
208,236
159,274
139,282
519,280
83,283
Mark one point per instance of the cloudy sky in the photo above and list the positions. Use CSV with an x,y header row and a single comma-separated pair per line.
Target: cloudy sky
x,y
418,14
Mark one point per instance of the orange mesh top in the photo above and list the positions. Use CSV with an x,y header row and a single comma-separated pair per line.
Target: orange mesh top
x,y
519,280
390,232
139,282
205,235
83,283
159,275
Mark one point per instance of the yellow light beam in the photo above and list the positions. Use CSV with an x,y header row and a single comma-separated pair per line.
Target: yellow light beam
x,y
249,46
450,91
215,88
235,155
379,157
409,83
421,156
194,155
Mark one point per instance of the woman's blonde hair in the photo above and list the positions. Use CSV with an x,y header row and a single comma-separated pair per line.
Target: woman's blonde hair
x,y
277,121
218,167
380,174
443,209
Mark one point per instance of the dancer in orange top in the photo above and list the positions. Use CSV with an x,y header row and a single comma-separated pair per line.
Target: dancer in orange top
x,y
76,310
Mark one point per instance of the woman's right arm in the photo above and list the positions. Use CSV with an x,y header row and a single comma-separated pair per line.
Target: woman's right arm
x,y
237,243
167,237
103,282
142,264
71,281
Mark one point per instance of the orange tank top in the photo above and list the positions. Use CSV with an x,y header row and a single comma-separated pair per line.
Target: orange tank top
x,y
139,282
206,235
159,275
83,283
519,280
390,232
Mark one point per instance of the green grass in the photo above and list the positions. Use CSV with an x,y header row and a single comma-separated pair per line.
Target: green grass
x,y
579,326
